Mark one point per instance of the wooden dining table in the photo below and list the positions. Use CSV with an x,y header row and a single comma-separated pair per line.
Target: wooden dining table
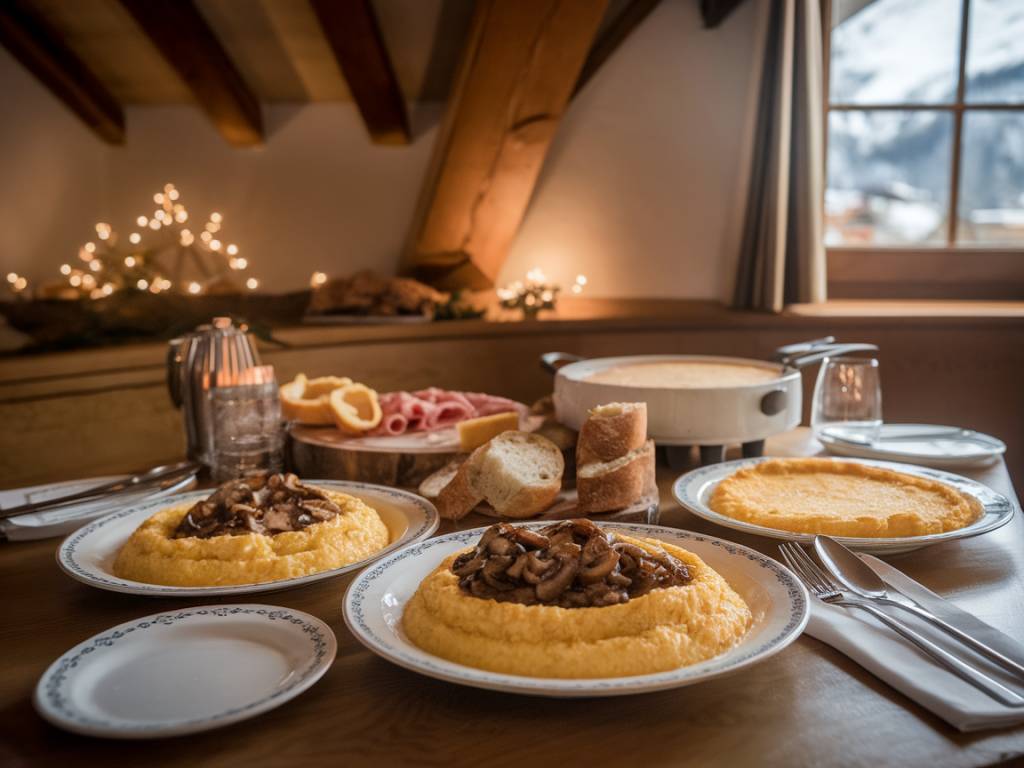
x,y
806,706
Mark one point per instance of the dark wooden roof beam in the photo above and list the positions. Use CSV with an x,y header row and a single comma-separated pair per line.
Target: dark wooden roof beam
x,y
33,42
181,34
351,29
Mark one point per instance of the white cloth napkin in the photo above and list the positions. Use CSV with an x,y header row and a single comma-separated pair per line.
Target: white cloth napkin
x,y
907,669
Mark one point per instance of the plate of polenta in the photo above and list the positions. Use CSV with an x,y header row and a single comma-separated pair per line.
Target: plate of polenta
x,y
871,506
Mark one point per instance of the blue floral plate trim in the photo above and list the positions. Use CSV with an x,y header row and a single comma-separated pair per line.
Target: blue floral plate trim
x,y
397,649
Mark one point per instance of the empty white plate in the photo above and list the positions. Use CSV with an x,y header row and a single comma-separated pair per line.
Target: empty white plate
x,y
931,445
185,671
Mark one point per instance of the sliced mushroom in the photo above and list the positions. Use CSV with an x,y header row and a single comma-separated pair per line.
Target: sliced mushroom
x,y
554,585
600,568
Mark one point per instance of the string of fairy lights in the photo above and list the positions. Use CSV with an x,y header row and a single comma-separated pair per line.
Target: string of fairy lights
x,y
162,253
535,293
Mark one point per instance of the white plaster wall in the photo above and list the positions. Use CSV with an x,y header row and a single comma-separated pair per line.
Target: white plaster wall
x,y
642,185
640,189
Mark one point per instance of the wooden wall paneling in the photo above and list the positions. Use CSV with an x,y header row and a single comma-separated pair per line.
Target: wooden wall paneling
x,y
521,61
960,371
33,42
354,35
182,35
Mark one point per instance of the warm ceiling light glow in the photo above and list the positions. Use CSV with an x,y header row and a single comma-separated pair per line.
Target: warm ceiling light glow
x,y
252,283
194,287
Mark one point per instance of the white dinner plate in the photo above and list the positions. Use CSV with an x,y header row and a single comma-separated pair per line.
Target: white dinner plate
x,y
376,598
966,449
88,554
185,671
693,490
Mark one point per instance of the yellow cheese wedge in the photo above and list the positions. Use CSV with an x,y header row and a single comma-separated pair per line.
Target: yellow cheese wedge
x,y
355,408
475,432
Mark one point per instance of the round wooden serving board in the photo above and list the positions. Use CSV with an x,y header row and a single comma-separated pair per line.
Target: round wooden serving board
x,y
400,460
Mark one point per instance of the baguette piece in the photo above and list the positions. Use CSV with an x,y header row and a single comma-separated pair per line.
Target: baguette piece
x,y
611,431
434,483
458,497
517,473
609,485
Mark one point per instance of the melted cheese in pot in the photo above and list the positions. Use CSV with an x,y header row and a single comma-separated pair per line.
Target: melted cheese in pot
x,y
684,374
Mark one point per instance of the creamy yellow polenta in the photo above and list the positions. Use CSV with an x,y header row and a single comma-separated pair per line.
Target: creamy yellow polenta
x,y
662,630
842,498
150,555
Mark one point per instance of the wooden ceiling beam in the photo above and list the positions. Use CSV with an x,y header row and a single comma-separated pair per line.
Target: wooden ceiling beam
x,y
612,37
181,34
521,61
33,42
351,29
715,12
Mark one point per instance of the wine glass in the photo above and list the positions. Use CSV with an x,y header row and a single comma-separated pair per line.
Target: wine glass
x,y
847,402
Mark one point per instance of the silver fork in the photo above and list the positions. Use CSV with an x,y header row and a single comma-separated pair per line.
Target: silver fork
x,y
825,589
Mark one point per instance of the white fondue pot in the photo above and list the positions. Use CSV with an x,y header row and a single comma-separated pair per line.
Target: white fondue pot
x,y
708,416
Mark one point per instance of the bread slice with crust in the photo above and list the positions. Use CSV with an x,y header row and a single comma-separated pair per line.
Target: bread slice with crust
x,y
609,485
611,431
517,473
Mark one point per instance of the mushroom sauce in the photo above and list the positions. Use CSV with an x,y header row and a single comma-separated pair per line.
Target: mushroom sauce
x,y
571,564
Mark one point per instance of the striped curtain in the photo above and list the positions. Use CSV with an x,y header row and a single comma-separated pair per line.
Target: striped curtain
x,y
782,257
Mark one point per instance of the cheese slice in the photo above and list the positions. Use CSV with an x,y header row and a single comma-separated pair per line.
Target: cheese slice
x,y
475,432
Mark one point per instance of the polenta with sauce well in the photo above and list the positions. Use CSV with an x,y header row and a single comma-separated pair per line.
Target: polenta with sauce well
x,y
255,530
571,601
842,498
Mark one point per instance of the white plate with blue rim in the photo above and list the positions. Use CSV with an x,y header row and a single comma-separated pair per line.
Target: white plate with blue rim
x,y
185,671
693,490
88,554
931,445
376,598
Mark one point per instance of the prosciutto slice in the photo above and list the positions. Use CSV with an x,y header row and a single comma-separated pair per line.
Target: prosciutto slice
x,y
429,409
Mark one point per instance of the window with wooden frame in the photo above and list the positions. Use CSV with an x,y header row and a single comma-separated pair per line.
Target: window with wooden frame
x,y
924,148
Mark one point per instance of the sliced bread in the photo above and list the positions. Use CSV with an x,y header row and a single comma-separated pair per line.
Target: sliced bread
x,y
517,473
433,484
611,431
609,485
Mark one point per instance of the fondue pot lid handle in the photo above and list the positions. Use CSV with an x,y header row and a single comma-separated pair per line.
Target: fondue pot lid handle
x,y
823,351
552,361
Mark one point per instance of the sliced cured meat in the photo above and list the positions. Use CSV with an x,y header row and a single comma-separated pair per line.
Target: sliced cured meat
x,y
428,409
